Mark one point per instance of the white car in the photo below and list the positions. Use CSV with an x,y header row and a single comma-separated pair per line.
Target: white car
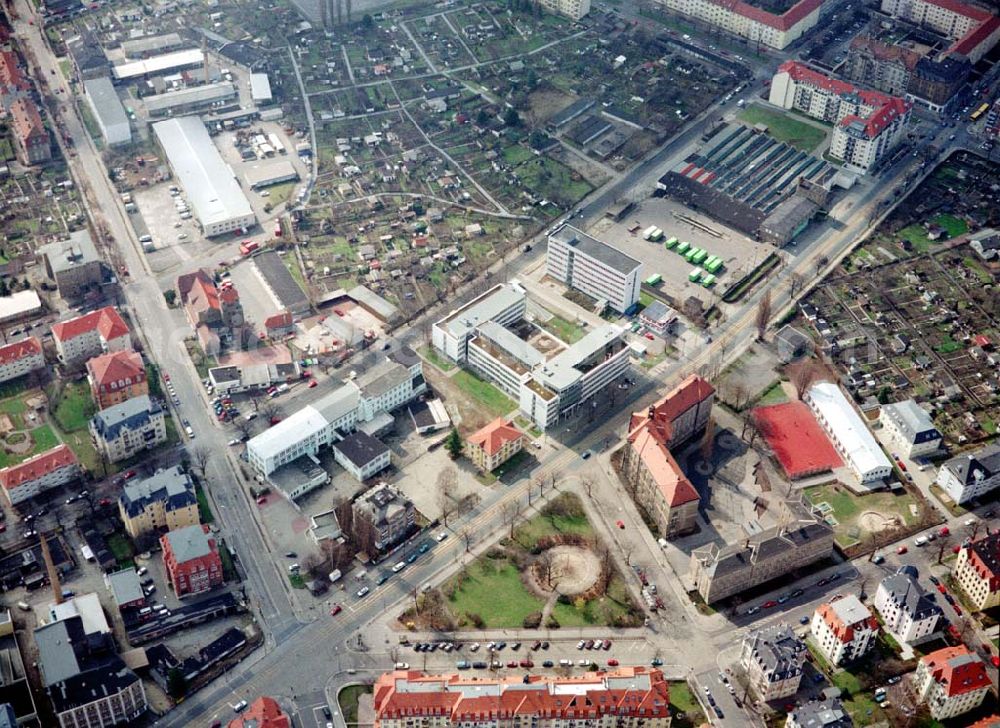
x,y
182,236
362,591
441,536
265,193
234,442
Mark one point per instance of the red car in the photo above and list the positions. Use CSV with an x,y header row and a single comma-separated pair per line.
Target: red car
x,y
313,383
337,609
958,609
902,550
275,420
769,604
620,524
956,548
526,663
995,661
129,474
104,502
943,531
612,662
940,588
261,500
650,337
512,663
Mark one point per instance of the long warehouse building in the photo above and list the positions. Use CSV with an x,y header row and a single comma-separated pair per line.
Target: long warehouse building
x,y
217,198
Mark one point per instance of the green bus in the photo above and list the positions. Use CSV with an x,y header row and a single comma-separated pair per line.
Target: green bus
x,y
715,266
708,280
699,257
654,280
671,242
694,275
689,256
682,248
708,261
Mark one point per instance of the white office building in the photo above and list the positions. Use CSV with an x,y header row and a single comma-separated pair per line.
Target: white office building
x,y
218,201
504,304
108,111
586,264
848,432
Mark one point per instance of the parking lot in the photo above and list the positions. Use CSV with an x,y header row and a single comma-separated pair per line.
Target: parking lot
x,y
739,253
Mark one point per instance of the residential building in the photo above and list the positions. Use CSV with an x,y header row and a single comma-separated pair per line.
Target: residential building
x,y
165,500
848,432
264,712
827,713
362,455
388,513
970,476
78,339
867,125
87,682
803,538
908,613
935,83
73,265
205,304
752,22
494,444
572,9
910,429
503,304
116,376
624,697
973,29
772,660
843,629
31,138
39,473
682,413
586,264
951,681
191,560
977,571
126,589
885,67
20,358
126,429
279,325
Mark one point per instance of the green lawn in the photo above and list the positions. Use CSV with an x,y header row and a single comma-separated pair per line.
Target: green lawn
x,y
14,407
953,226
516,154
567,331
44,438
121,548
773,395
555,520
553,181
204,510
75,407
784,128
492,400
847,506
429,353
81,444
604,610
228,567
492,589
684,706
348,700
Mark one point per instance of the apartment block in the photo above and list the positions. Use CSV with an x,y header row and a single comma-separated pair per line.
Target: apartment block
x,y
164,501
191,560
910,428
586,264
388,513
20,358
625,697
977,571
970,476
573,9
78,339
39,473
750,21
907,612
844,629
116,376
73,265
951,681
126,429
973,29
867,125
494,444
772,660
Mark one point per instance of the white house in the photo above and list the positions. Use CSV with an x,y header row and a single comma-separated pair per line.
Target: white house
x,y
967,477
843,629
910,428
907,612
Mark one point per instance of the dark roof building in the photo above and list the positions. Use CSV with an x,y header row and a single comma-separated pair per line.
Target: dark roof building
x,y
827,713
280,283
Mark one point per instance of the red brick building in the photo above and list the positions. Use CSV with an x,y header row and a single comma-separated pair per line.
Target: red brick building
x,y
191,559
116,376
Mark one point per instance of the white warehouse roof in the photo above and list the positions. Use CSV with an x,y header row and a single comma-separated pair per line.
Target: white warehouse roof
x,y
207,179
855,440
159,64
260,87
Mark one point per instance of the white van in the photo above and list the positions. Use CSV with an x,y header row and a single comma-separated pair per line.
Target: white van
x,y
921,541
23,606
141,571
399,567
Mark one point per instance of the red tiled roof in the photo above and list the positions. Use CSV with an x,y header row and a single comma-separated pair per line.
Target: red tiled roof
x,y
278,320
27,121
886,52
264,712
116,366
793,15
689,393
841,630
203,295
992,721
20,349
186,282
10,72
495,435
977,35
670,479
444,696
960,8
107,321
958,669
35,467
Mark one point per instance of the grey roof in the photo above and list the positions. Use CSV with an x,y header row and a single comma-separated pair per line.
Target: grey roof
x,y
64,255
105,102
172,486
659,311
56,656
334,405
769,544
590,246
125,586
405,356
828,713
788,216
912,420
909,595
483,309
207,179
132,414
777,650
269,172
191,95
563,370
101,677
360,448
382,502
985,461
273,269
150,43
373,302
190,542
87,52
382,378
512,344
260,87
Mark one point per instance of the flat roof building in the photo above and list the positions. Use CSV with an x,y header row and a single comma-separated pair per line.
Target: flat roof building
x,y
586,264
189,99
140,47
260,89
191,58
505,303
218,201
848,432
73,265
269,172
108,111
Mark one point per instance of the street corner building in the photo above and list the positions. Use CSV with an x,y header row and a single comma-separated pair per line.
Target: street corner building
x,y
191,560
844,629
626,697
748,20
977,571
494,444
772,658
951,681
80,338
907,611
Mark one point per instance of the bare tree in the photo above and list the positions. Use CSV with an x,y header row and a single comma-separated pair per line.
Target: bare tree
x,y
587,483
545,568
468,538
313,565
269,410
943,543
200,455
763,317
821,263
243,428
447,481
511,511
607,569
627,553
803,376
256,397
795,283
540,482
